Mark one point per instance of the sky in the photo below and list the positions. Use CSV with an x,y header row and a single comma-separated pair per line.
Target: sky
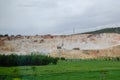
x,y
31,17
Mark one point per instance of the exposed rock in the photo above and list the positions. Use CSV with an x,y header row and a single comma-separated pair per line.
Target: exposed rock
x,y
2,43
72,46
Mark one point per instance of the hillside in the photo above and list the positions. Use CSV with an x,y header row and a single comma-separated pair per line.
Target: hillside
x,y
70,46
105,30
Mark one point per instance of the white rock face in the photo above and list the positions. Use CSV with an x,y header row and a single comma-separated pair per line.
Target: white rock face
x,y
49,44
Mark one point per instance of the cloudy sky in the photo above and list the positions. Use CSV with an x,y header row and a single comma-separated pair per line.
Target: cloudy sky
x,y
30,17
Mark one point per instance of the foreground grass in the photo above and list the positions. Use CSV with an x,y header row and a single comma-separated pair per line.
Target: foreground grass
x,y
76,70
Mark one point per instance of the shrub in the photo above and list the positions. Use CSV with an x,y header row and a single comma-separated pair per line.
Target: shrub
x,y
76,48
54,61
25,60
112,58
62,58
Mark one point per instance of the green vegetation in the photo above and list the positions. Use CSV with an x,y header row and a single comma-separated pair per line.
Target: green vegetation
x,y
26,60
106,30
65,70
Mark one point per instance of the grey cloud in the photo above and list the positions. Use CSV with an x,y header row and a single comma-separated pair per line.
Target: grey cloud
x,y
56,16
101,14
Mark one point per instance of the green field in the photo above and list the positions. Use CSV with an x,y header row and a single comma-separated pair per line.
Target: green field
x,y
65,70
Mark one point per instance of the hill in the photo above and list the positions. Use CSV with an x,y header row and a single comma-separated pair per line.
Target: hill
x,y
105,30
99,43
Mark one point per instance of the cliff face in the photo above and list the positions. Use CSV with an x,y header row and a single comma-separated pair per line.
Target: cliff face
x,y
70,46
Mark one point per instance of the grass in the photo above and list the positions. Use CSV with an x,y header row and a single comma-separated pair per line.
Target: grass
x,y
75,70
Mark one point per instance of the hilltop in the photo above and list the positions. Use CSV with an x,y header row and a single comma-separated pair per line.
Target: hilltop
x,y
105,30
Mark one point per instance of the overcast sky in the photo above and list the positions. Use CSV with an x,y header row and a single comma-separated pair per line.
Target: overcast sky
x,y
30,17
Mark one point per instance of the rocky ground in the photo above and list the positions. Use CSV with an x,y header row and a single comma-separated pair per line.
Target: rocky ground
x,y
69,46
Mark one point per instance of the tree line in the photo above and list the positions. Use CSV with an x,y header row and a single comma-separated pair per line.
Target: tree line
x,y
26,60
